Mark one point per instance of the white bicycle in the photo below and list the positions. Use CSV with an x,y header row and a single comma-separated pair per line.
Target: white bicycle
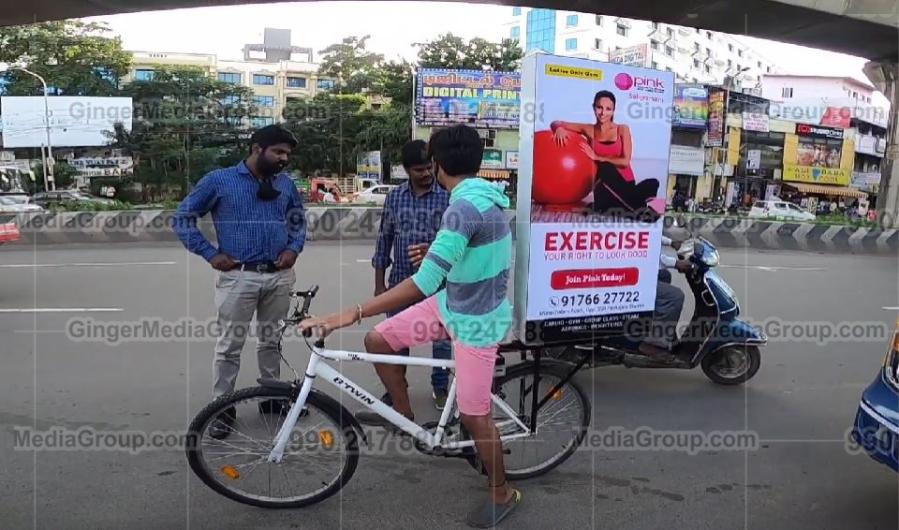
x,y
288,445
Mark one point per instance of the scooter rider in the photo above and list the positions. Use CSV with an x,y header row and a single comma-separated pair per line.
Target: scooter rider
x,y
668,307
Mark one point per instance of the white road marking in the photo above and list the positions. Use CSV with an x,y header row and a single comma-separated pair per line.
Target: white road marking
x,y
891,308
363,261
773,268
62,310
86,264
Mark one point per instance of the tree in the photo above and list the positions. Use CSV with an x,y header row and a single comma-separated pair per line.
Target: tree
x,y
185,124
74,57
451,51
397,81
63,175
385,130
356,67
326,126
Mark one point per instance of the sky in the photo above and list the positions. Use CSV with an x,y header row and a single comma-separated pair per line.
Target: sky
x,y
394,28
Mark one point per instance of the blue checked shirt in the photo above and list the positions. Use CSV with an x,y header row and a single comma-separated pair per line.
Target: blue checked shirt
x,y
248,229
407,220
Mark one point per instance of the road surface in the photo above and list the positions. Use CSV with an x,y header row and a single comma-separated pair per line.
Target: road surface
x,y
799,407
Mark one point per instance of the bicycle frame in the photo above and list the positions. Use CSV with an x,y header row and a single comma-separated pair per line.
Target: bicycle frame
x,y
318,368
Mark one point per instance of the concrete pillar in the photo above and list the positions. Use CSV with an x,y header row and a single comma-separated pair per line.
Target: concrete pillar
x,y
884,76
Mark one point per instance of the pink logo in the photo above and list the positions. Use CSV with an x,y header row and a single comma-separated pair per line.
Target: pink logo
x,y
624,81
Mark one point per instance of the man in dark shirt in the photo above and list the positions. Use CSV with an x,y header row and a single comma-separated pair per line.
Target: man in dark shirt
x,y
409,223
260,227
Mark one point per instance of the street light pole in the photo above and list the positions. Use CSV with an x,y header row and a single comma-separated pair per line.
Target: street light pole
x,y
48,164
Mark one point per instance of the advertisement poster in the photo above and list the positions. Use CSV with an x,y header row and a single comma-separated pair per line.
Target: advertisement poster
x,y
691,105
717,117
368,165
753,159
591,196
480,99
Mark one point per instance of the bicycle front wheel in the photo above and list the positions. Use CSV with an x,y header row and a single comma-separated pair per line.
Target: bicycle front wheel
x,y
229,442
561,423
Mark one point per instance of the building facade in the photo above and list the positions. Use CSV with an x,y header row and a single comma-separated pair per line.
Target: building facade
x,y
694,55
836,102
275,71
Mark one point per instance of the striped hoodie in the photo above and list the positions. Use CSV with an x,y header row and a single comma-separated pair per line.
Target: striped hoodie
x,y
473,253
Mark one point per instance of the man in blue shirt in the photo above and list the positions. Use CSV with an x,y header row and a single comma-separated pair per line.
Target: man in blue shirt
x,y
409,223
260,226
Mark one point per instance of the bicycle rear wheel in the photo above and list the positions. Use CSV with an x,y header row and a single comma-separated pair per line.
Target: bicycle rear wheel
x,y
319,459
561,423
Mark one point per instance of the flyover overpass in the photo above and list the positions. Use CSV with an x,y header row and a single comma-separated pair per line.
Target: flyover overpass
x,y
864,28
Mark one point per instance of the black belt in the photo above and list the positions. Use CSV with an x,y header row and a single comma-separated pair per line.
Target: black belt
x,y
258,266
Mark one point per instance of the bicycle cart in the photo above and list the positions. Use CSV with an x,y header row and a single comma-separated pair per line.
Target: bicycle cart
x,y
290,445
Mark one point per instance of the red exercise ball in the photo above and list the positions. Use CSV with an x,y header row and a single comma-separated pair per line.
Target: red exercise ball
x,y
562,174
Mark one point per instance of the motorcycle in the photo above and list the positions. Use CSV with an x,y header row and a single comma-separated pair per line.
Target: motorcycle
x,y
716,339
711,207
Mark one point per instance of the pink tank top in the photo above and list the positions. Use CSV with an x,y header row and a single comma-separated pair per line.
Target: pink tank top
x,y
612,150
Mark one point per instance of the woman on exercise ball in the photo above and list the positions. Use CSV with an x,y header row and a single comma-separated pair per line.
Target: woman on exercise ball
x,y
615,190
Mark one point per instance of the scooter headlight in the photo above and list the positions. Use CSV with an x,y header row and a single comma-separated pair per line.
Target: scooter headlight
x,y
710,257
891,362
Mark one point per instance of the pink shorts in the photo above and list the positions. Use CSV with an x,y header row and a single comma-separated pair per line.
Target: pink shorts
x,y
420,324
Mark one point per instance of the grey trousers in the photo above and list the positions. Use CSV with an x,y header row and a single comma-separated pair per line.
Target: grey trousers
x,y
238,295
669,304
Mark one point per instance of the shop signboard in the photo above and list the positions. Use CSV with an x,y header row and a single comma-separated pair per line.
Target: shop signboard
x,y
755,121
817,175
490,100
867,144
492,159
580,274
632,56
817,131
717,117
691,106
686,160
511,159
866,181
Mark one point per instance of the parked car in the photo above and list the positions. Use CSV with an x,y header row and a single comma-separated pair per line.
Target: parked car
x,y
373,195
876,428
780,210
13,204
47,198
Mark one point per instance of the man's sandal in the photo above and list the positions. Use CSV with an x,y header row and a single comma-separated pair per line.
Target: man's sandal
x,y
490,513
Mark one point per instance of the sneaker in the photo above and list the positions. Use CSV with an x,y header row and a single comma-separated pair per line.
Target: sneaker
x,y
440,396
278,407
223,425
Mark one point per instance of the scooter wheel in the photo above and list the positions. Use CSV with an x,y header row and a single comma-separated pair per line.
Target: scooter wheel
x,y
732,365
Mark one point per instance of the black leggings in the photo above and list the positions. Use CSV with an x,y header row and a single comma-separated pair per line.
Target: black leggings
x,y
614,195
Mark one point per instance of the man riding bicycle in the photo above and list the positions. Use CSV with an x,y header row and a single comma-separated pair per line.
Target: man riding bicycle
x,y
472,254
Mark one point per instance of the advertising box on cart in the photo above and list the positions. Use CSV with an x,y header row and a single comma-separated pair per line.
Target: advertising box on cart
x,y
590,211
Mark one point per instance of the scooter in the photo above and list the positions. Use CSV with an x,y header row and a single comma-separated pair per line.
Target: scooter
x,y
725,347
